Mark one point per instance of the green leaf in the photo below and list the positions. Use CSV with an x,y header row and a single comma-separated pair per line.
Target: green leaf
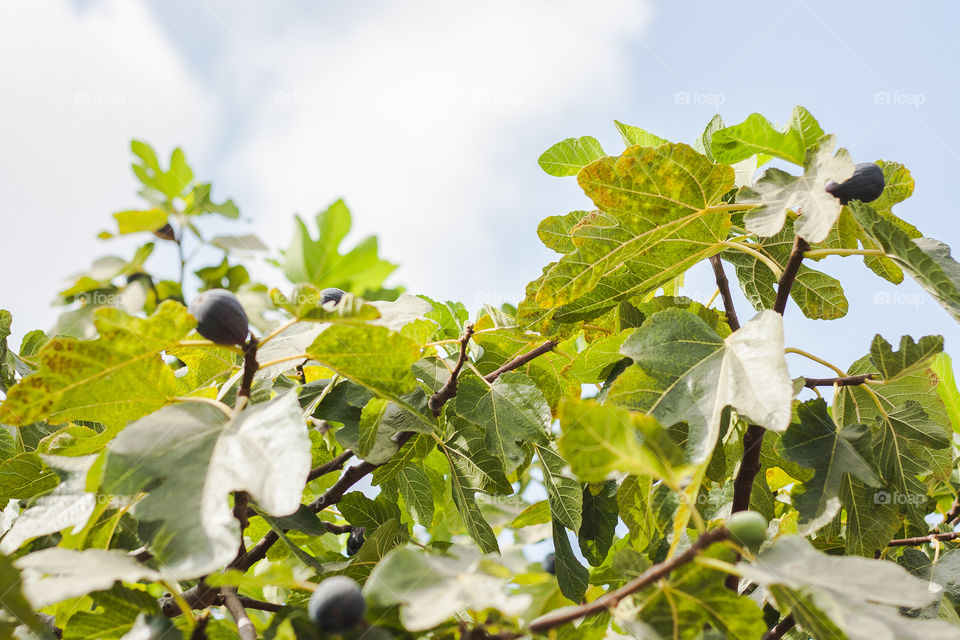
x,y
55,574
858,595
115,613
655,222
25,476
572,576
942,366
320,263
635,135
377,545
371,356
685,372
135,221
189,457
432,589
910,357
361,511
599,440
778,192
534,514
68,505
417,493
817,443
567,157
114,379
756,135
926,259
305,303
12,600
511,410
564,494
600,513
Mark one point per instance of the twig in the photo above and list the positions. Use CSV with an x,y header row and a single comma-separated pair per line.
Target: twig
x,y
789,274
778,630
241,500
259,605
201,595
250,367
245,628
330,465
449,390
521,360
612,598
921,540
724,286
847,381
954,514
339,528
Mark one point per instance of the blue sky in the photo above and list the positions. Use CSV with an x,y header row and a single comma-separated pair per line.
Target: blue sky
x,y
428,118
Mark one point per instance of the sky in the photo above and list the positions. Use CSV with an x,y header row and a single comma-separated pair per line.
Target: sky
x,y
428,118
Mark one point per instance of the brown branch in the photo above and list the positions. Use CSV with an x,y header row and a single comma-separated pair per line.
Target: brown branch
x,y
724,285
612,598
953,516
521,360
778,630
921,540
200,631
331,465
448,390
339,528
201,595
245,628
259,605
250,366
847,381
789,274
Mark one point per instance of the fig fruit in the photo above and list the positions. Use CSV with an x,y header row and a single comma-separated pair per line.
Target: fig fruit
x,y
355,541
866,184
331,294
550,563
748,529
220,317
337,605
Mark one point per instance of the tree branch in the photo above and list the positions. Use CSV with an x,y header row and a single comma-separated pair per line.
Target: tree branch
x,y
245,628
331,465
790,274
448,390
250,367
612,598
724,285
521,360
921,540
778,630
847,381
202,596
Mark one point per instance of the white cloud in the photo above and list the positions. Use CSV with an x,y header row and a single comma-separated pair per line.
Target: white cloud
x,y
77,86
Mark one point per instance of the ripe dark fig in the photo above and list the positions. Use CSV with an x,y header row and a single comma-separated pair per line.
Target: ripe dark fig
x,y
165,232
331,294
337,605
866,184
355,541
748,529
220,317
550,563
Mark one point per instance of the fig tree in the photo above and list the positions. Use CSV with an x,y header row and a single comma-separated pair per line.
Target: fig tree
x,y
748,529
331,294
866,184
337,605
220,317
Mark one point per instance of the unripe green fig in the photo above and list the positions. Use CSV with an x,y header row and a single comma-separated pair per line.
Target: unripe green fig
x,y
337,605
355,541
550,563
866,184
748,529
331,294
220,317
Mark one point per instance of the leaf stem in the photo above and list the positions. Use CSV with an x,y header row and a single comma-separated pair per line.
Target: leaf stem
x,y
823,253
283,327
800,352
747,248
